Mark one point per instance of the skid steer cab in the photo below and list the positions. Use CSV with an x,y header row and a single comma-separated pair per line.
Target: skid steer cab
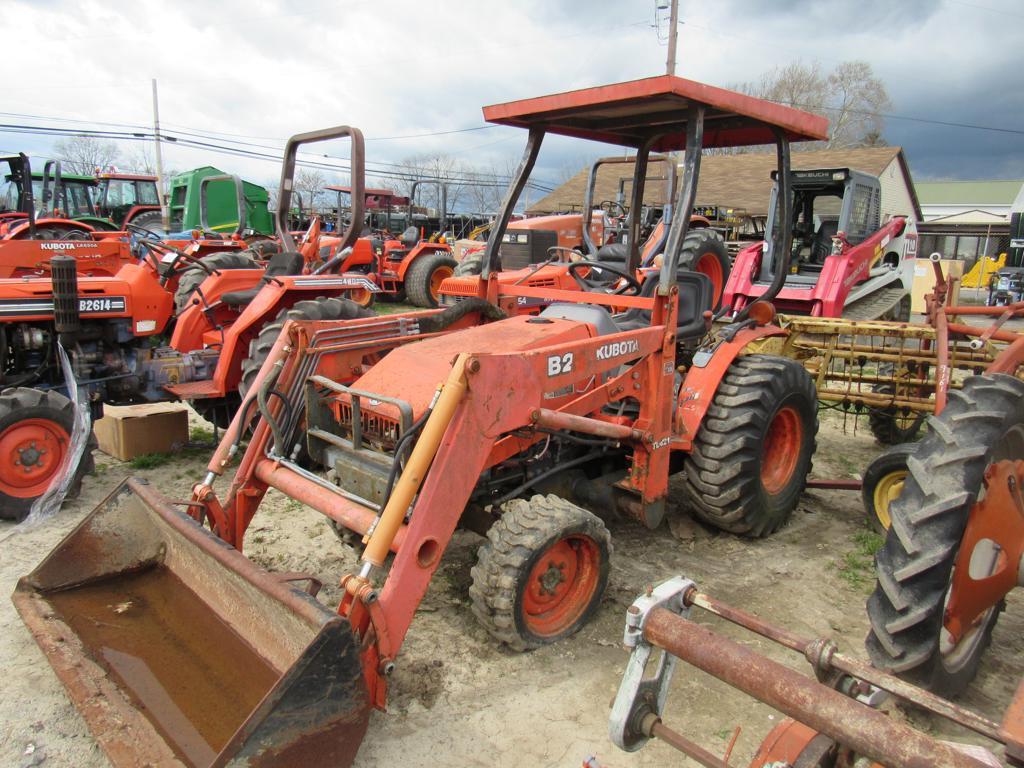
x,y
533,430
845,262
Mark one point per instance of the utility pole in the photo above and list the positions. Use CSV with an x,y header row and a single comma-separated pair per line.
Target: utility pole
x,y
673,33
164,211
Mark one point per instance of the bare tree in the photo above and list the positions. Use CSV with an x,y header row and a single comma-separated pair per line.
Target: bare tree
x,y
851,96
437,166
857,100
310,183
80,154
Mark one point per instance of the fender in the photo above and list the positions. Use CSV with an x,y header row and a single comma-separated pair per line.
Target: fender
x,y
21,229
421,249
702,382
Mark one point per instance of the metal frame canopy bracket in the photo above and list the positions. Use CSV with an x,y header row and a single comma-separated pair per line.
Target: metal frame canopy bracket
x,y
357,163
656,114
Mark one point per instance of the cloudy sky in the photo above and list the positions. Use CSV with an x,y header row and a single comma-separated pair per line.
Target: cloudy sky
x,y
258,71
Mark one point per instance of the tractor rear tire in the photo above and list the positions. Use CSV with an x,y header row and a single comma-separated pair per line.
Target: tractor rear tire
x,y
753,451
37,424
541,573
193,277
151,220
883,483
704,251
320,308
982,423
472,264
424,278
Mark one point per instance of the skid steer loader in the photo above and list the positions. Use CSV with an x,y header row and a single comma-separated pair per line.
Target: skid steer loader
x,y
425,421
845,261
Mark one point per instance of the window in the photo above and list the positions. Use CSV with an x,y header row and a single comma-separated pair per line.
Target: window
x,y
966,247
147,193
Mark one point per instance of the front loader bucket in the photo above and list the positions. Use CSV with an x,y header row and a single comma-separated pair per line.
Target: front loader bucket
x,y
178,650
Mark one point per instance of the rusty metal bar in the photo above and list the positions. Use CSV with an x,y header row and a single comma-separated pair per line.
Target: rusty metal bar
x,y
652,726
866,731
559,420
820,653
348,513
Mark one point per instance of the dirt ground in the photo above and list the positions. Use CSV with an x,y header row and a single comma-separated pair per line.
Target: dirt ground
x,y
458,699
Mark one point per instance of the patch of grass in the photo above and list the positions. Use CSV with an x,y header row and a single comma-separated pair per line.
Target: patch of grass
x,y
857,567
149,460
200,435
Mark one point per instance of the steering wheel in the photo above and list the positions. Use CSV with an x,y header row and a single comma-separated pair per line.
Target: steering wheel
x,y
155,247
556,249
146,234
632,284
611,206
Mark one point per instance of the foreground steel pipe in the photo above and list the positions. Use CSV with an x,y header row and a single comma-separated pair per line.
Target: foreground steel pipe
x,y
866,731
822,654
348,513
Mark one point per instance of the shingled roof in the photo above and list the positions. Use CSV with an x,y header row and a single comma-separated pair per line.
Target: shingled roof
x,y
736,181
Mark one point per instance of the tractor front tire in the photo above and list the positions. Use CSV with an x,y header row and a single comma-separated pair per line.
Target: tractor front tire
x,y
982,423
753,451
704,251
883,483
35,438
193,277
541,573
424,278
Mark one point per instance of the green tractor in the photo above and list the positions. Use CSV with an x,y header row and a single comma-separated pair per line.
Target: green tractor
x,y
224,198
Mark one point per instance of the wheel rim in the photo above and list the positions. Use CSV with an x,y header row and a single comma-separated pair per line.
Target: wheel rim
x,y
31,453
708,264
438,276
886,492
361,296
561,585
781,452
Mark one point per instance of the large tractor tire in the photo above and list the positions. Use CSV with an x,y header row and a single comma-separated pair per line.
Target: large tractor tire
x,y
318,309
753,451
35,438
704,251
472,264
541,573
193,277
151,220
423,280
981,424
883,484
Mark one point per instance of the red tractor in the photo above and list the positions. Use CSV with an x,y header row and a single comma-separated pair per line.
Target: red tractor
x,y
215,308
431,419
530,247
845,261
409,267
128,198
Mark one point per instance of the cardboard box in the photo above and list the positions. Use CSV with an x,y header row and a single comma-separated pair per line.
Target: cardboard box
x,y
924,281
128,431
459,247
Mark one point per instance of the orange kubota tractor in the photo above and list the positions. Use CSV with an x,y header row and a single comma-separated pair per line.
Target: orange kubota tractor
x,y
229,310
409,267
427,420
534,251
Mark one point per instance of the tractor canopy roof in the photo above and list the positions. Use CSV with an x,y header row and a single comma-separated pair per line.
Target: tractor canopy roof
x,y
628,113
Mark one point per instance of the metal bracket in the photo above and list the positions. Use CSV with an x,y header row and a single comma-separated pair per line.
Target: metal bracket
x,y
639,696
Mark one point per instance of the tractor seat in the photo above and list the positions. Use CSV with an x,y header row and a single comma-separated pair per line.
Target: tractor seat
x,y
284,263
613,253
696,296
821,247
410,237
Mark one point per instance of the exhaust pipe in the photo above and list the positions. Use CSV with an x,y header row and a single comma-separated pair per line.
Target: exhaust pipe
x,y
178,650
